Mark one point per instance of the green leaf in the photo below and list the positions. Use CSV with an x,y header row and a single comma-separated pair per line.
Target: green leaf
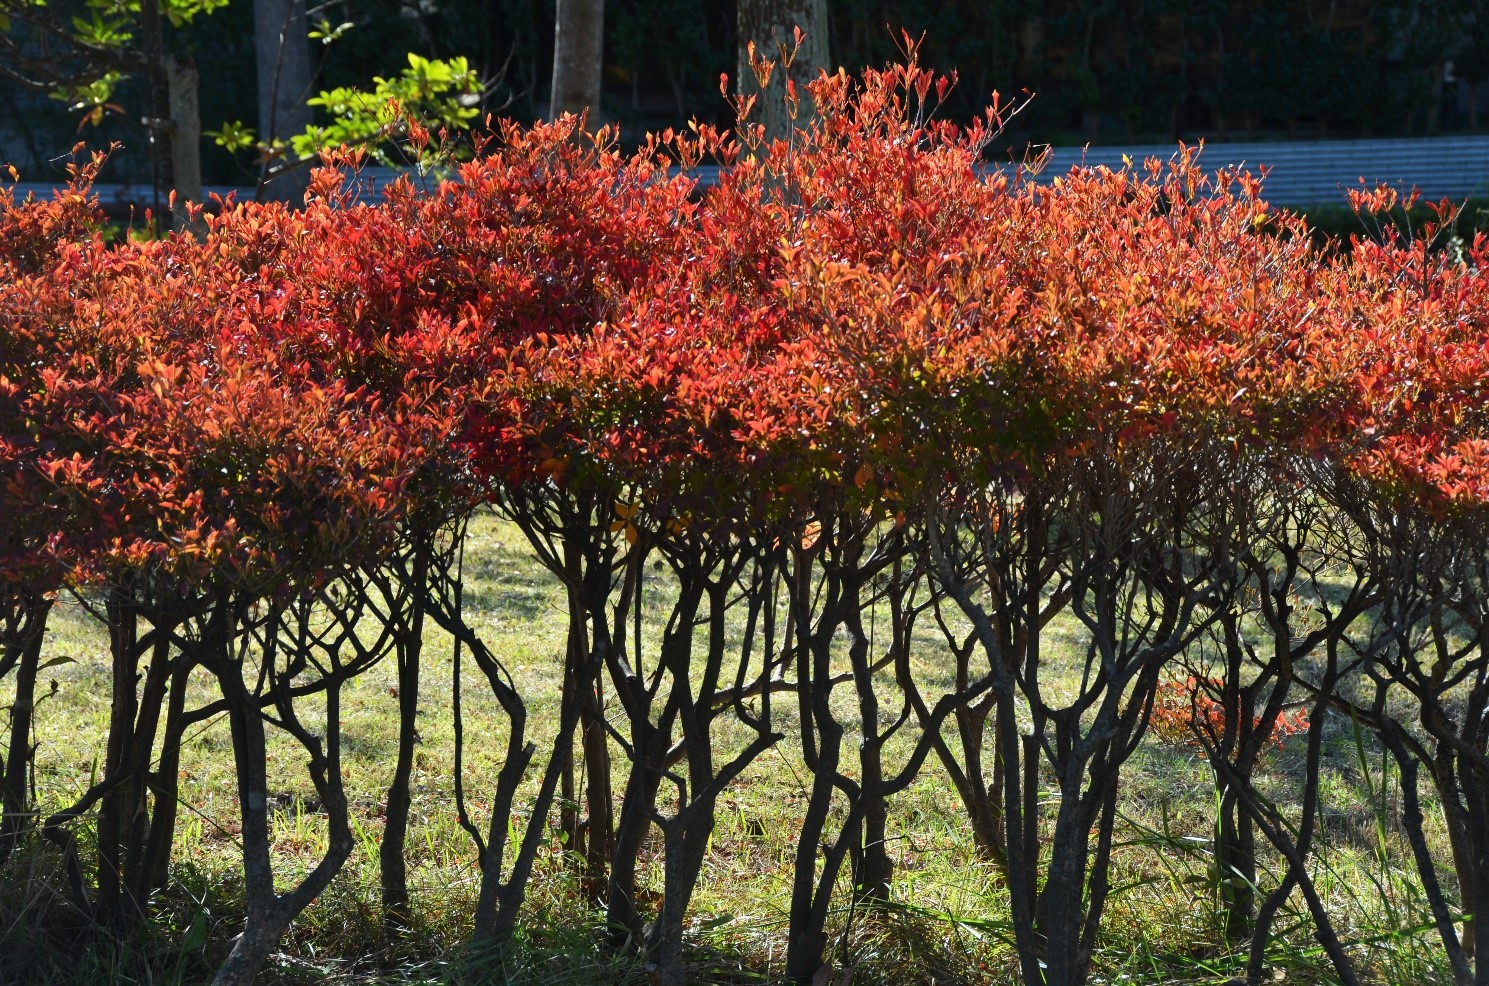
x,y
434,92
196,934
325,33
234,136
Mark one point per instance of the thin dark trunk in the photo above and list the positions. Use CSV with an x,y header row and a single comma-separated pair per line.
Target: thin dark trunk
x,y
392,866
807,937
688,831
508,781
154,867
268,913
1411,821
986,810
591,836
249,686
1295,852
974,785
1100,882
687,848
569,820
1235,863
119,805
262,925
1474,782
875,869
514,890
569,829
599,835
636,812
1062,898
1261,932
500,900
1460,840
1018,773
136,829
648,753
1235,860
57,829
15,778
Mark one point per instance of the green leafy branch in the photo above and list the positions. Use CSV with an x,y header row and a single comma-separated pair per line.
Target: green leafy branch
x,y
436,93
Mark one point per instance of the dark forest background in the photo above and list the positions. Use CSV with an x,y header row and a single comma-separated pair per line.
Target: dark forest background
x,y
1104,71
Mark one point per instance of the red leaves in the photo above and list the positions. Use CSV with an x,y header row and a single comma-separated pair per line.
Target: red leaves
x,y
1191,713
858,320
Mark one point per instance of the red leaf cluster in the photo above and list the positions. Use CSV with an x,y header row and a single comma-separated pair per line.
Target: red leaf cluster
x,y
864,318
1187,713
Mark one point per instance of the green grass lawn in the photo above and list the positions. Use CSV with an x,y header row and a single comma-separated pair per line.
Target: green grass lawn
x,y
946,922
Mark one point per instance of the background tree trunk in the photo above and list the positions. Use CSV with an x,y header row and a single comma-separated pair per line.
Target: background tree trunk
x,y
578,56
186,140
769,24
285,76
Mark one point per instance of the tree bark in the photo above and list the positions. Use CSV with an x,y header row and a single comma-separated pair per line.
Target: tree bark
x,y
154,869
1411,823
285,76
770,25
15,770
119,805
637,808
873,868
186,141
578,57
394,871
269,913
599,834
687,839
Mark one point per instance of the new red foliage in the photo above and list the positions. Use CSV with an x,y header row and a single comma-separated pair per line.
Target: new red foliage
x,y
859,328
1186,713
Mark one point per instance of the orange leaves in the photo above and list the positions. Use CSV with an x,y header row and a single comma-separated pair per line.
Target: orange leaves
x,y
626,516
1190,712
161,377
860,320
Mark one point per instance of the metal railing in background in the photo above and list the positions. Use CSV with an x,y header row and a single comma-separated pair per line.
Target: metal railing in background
x,y
1300,174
